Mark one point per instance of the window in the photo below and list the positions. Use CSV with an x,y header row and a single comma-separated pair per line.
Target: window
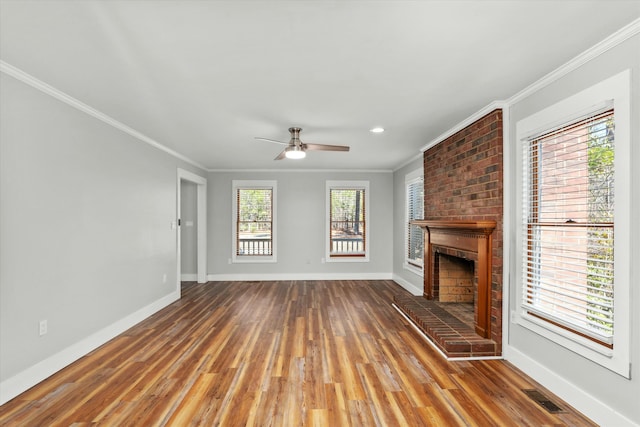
x,y
254,221
574,268
569,260
347,205
414,237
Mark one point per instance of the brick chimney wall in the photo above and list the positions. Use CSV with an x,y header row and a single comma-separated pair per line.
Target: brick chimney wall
x,y
463,179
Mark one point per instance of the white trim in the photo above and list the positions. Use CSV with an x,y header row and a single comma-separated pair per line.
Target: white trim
x,y
593,52
495,105
73,102
507,202
593,408
250,277
608,43
411,159
272,185
303,170
347,184
188,277
31,376
408,286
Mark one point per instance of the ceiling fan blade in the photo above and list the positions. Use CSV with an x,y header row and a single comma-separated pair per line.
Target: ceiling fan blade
x,y
271,140
325,147
281,155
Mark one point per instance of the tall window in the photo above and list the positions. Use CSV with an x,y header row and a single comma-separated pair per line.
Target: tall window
x,y
254,225
570,228
347,224
414,242
575,209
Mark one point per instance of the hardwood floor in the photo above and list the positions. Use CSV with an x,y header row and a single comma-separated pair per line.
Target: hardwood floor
x,y
325,353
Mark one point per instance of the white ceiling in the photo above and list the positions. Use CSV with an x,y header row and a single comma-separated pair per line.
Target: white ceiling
x,y
204,78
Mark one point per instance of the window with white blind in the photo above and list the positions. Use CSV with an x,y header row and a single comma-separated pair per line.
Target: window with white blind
x,y
569,263
254,221
347,220
414,235
575,217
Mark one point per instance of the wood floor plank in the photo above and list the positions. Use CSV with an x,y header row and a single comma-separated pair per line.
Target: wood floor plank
x,y
276,353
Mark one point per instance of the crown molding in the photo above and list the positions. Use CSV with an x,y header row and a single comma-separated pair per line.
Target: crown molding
x,y
593,52
605,45
495,105
408,161
301,170
43,87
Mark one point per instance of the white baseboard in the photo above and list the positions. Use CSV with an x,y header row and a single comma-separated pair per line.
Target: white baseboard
x,y
31,376
299,276
410,287
190,277
593,408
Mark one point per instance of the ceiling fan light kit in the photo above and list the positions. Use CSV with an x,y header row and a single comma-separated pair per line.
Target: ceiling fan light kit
x,y
297,149
295,152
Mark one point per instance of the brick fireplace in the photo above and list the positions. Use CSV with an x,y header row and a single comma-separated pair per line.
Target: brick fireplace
x,y
463,182
461,240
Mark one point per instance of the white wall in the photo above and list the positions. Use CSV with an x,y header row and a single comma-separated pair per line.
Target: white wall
x,y
301,230
404,277
87,243
601,394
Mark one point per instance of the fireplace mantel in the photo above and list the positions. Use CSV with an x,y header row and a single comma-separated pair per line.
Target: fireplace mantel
x,y
468,236
454,225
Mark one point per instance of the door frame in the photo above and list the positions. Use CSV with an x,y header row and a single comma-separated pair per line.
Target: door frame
x,y
201,224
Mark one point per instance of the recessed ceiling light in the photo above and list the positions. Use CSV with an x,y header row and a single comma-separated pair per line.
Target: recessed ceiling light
x,y
376,130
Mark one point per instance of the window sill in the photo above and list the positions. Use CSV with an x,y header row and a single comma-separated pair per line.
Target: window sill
x,y
347,259
253,260
584,347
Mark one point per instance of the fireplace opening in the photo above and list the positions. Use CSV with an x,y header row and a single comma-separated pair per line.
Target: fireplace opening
x,y
453,286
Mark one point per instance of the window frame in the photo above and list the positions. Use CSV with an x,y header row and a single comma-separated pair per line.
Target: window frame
x,y
253,185
412,178
614,92
347,185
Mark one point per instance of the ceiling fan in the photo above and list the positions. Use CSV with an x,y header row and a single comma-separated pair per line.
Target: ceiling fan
x,y
296,149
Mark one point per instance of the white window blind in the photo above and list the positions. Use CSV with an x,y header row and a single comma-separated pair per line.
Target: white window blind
x,y
415,210
568,262
347,230
254,222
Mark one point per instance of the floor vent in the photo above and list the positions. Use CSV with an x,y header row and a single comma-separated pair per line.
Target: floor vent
x,y
543,401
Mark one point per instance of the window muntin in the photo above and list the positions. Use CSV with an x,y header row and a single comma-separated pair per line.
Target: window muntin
x,y
254,221
414,241
568,269
347,220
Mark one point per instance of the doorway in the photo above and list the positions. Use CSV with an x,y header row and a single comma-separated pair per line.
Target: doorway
x,y
199,223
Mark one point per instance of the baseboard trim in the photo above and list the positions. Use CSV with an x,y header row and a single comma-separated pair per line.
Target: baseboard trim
x,y
410,287
31,376
597,411
189,277
298,276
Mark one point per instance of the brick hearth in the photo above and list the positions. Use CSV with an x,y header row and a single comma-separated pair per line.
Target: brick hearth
x,y
451,335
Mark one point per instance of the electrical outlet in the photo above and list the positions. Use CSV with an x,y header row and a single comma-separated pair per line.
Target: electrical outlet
x,y
164,278
43,327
